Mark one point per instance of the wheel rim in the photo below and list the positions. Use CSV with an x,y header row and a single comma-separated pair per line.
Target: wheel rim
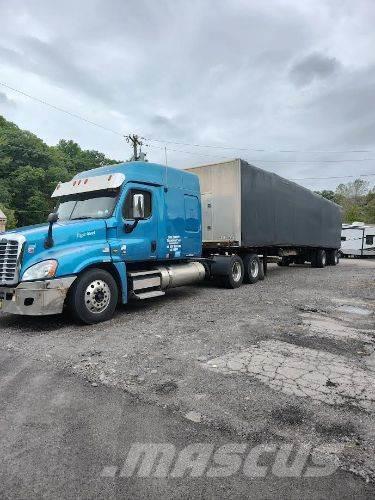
x,y
324,259
236,271
254,269
97,296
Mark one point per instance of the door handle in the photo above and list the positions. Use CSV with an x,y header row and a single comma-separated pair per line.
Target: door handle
x,y
153,246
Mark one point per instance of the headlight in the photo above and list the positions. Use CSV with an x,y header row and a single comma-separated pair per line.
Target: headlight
x,y
41,271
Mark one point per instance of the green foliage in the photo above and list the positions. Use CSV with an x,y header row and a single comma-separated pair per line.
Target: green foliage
x,y
357,201
30,171
330,195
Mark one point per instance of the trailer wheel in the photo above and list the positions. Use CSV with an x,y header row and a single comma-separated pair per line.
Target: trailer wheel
x,y
252,267
319,258
333,257
93,297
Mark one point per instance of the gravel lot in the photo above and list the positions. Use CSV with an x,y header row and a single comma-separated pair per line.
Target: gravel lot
x,y
288,359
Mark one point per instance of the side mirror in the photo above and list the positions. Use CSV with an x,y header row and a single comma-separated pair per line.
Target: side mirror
x,y
53,217
138,206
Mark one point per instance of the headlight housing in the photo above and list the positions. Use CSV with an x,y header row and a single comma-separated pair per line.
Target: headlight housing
x,y
41,271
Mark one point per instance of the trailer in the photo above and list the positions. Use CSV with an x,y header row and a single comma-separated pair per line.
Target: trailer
x,y
247,209
357,240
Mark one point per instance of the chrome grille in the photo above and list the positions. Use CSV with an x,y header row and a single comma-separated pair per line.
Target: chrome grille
x,y
10,255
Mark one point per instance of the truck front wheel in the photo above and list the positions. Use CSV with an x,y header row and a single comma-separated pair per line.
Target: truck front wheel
x,y
93,297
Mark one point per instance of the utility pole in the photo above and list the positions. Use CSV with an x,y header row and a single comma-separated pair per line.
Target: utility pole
x,y
136,142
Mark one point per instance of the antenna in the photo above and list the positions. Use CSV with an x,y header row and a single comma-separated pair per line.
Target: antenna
x,y
166,168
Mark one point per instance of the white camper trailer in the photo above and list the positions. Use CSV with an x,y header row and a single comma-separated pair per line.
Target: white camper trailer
x,y
357,240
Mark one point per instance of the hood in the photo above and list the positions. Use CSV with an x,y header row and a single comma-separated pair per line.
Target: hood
x,y
66,234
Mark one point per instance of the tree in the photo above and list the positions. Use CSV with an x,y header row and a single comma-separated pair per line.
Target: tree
x,y
357,201
329,195
30,171
353,191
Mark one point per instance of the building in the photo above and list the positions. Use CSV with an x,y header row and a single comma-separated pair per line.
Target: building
x,y
3,221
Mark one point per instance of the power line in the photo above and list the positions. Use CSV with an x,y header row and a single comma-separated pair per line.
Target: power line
x,y
62,110
261,160
165,141
332,177
237,148
74,115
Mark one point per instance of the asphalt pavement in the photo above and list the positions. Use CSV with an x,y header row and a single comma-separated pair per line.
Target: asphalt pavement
x,y
60,435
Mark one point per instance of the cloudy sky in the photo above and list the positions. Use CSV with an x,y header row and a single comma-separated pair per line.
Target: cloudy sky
x,y
270,75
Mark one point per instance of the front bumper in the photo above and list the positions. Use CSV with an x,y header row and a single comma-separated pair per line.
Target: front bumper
x,y
36,298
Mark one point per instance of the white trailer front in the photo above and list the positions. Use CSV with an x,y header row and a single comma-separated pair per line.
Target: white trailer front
x,y
357,240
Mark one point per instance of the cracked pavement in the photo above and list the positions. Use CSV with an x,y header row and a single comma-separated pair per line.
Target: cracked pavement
x,y
301,371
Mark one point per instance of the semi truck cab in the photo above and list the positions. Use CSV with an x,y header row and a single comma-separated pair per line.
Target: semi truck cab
x,y
129,230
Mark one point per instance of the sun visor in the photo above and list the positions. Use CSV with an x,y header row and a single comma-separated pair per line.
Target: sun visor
x,y
87,184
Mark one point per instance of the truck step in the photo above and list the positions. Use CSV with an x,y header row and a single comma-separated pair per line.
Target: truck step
x,y
147,295
136,274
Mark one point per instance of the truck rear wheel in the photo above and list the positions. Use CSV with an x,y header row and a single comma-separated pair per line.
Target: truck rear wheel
x,y
228,270
319,258
252,267
93,297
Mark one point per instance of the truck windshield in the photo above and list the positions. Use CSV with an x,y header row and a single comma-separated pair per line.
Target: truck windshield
x,y
93,205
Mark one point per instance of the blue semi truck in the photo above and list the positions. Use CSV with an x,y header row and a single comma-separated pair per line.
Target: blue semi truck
x,y
137,229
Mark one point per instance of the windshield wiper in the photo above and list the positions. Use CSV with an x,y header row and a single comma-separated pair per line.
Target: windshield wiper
x,y
82,218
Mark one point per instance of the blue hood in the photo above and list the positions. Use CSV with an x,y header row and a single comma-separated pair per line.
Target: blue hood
x,y
75,242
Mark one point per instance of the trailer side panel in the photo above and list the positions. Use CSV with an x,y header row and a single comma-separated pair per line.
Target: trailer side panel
x,y
278,212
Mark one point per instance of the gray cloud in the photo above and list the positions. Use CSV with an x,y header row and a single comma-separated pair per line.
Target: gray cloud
x,y
314,66
5,102
237,73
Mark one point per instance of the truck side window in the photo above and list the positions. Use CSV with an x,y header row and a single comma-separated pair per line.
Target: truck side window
x,y
192,219
127,209
369,239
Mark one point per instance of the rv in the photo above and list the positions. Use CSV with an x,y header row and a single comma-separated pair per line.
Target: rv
x,y
357,240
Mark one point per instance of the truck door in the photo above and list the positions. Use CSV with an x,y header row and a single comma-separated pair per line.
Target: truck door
x,y
138,224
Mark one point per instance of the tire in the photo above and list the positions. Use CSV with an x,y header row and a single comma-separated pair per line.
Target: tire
x,y
333,257
319,258
228,270
284,262
252,268
93,297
